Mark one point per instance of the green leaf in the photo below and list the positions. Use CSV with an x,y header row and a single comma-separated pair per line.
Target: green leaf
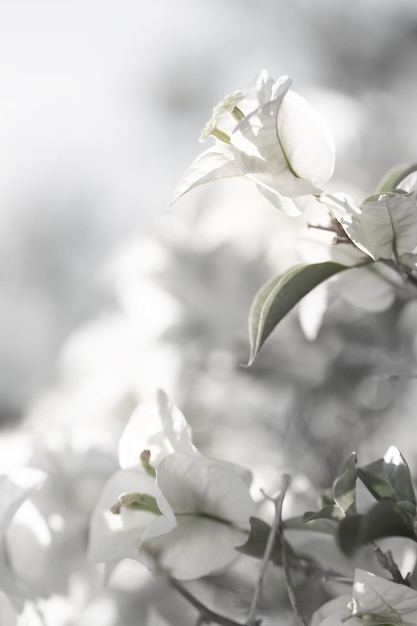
x,y
385,519
258,537
390,478
394,177
344,487
278,296
330,512
325,526
326,497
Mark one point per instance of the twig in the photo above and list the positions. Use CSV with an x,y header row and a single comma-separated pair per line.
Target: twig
x,y
206,615
387,562
287,569
278,501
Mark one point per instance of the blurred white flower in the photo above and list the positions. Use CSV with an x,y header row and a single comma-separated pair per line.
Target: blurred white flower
x,y
27,534
15,487
374,599
8,615
188,519
273,138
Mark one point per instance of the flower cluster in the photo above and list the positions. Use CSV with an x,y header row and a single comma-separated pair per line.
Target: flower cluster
x,y
169,503
271,136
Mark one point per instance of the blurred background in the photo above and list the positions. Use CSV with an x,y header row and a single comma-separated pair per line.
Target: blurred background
x,y
100,111
105,294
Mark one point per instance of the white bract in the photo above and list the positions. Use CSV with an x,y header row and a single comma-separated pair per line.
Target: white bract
x,y
186,520
271,136
374,600
384,228
15,487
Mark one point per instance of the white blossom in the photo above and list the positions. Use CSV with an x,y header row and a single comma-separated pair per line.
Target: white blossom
x,y
273,138
186,513
374,600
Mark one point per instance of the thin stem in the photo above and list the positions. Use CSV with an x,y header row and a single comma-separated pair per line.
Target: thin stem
x,y
287,570
206,615
278,501
387,562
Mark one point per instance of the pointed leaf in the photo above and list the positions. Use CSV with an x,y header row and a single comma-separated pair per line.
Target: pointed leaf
x,y
316,525
257,540
277,297
399,476
344,487
385,519
389,477
394,177
330,512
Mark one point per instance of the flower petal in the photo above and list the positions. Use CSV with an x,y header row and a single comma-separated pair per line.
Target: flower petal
x,y
373,595
261,155
15,487
205,486
116,536
197,547
156,425
306,140
212,164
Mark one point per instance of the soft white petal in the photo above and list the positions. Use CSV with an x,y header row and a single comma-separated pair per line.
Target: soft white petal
x,y
378,596
8,616
212,164
388,226
156,425
113,537
371,287
306,140
15,487
260,153
335,609
282,203
383,228
311,311
203,485
197,547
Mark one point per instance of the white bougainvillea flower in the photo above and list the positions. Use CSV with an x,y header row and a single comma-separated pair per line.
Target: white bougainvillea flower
x,y
271,136
188,520
374,600
187,516
117,530
212,507
384,228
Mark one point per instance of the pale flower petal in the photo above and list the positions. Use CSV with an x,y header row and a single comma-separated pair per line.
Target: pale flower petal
x,y
15,487
212,164
375,600
373,595
197,547
8,615
384,228
306,141
116,536
158,426
204,486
